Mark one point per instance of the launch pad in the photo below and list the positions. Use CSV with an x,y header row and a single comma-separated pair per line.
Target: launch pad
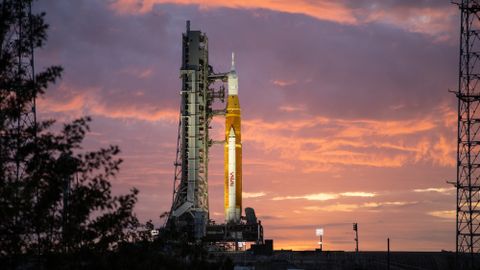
x,y
201,87
248,230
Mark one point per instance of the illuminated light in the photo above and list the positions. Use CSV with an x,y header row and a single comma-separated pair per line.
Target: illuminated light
x,y
319,232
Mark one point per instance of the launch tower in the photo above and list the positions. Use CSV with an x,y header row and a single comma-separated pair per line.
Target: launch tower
x,y
190,200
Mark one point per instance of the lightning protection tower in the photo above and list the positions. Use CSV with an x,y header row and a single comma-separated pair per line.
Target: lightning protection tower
x,y
468,147
190,212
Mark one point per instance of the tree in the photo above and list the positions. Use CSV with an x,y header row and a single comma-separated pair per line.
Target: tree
x,y
60,199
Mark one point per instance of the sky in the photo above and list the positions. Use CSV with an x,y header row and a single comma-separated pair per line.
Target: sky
x,y
346,114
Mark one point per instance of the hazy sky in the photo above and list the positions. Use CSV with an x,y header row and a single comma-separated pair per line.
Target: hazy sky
x,y
346,111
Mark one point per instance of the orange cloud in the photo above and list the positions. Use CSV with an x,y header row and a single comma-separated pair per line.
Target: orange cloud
x,y
310,197
325,196
138,73
272,165
138,113
84,101
426,20
324,10
358,194
438,190
334,208
283,83
419,19
447,214
384,128
248,195
288,108
375,143
75,103
339,207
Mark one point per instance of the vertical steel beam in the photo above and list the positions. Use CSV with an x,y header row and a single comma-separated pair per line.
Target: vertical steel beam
x,y
468,144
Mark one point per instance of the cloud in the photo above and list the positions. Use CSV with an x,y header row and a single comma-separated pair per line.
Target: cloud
x,y
428,18
310,197
447,214
339,207
354,128
287,108
358,194
420,17
324,10
325,196
283,83
69,100
248,195
334,208
143,73
447,191
323,143
394,203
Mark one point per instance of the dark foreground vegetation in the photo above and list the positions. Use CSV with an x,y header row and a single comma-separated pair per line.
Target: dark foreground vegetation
x,y
159,254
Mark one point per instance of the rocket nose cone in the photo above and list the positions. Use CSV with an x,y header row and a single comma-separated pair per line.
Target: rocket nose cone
x,y
232,133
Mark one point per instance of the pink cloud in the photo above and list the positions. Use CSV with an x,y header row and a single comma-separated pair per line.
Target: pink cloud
x,y
324,10
375,143
86,102
421,19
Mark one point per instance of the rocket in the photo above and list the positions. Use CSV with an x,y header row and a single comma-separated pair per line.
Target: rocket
x,y
233,151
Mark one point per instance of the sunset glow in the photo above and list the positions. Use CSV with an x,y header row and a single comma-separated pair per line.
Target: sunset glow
x,y
346,114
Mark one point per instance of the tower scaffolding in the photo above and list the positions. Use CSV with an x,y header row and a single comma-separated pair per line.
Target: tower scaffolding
x,y
190,210
468,144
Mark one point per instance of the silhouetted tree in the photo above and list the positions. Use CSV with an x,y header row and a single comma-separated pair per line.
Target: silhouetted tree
x,y
59,211
61,200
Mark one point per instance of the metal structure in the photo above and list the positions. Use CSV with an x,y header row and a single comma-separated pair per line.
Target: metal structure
x,y
355,229
190,212
249,229
468,148
190,195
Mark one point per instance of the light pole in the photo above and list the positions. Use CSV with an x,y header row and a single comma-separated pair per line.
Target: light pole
x,y
319,233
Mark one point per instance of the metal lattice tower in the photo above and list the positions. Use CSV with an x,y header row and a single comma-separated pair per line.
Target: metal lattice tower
x,y
468,151
190,211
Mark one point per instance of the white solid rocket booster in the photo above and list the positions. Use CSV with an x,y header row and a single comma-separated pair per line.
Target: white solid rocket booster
x,y
232,175
233,151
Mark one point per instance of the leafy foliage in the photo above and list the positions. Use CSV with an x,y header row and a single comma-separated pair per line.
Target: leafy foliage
x,y
54,197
